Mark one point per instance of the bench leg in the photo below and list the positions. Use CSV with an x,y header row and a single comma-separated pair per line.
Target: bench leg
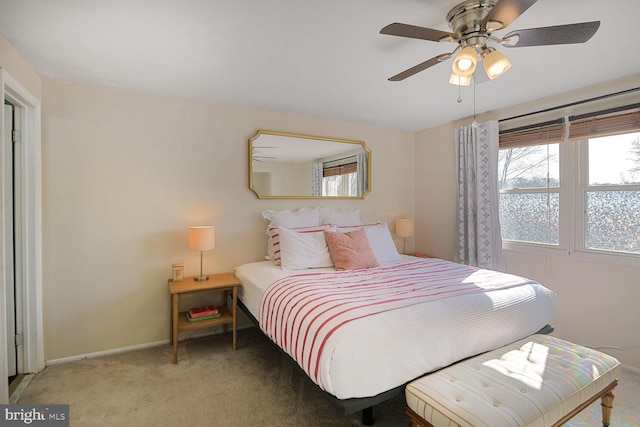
x,y
415,420
607,406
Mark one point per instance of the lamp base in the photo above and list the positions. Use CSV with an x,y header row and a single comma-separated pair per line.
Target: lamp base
x,y
201,278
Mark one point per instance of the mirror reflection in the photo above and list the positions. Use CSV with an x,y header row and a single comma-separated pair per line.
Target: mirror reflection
x,y
286,165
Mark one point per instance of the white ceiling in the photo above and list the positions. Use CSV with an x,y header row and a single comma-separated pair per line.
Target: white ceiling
x,y
322,58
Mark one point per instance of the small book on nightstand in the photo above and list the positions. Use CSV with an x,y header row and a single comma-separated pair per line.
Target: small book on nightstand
x,y
197,319
207,310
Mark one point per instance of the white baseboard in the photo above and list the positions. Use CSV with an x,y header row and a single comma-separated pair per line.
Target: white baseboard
x,y
104,353
129,348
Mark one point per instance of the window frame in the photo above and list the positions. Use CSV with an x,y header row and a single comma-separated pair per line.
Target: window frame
x,y
564,236
345,169
572,192
343,176
582,189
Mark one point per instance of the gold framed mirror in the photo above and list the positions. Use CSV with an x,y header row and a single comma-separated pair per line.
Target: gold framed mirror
x,y
294,166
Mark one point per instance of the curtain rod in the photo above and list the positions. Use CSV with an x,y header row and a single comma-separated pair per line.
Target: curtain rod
x,y
571,104
604,112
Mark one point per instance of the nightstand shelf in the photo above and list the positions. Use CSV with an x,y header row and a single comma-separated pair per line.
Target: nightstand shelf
x,y
184,324
225,283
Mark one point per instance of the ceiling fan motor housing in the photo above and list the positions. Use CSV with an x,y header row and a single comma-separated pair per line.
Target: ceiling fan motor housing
x,y
466,21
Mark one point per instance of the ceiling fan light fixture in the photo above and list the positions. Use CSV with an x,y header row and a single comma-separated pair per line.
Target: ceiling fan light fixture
x,y
459,80
495,64
465,62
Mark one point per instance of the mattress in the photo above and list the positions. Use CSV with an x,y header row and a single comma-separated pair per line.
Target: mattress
x,y
375,353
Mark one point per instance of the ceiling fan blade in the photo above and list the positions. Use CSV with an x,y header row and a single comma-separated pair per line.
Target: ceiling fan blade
x,y
420,67
505,12
415,32
559,34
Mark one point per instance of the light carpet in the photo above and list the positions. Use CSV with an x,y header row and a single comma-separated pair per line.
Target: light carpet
x,y
212,385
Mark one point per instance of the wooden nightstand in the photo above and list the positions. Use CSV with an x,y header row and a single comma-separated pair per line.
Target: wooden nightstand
x,y
421,255
217,282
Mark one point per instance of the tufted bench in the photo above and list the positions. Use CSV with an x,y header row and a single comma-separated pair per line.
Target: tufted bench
x,y
539,381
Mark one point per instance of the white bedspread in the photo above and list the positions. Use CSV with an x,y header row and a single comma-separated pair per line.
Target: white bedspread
x,y
418,327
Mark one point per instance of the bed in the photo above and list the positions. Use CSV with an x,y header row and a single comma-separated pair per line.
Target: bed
x,y
361,334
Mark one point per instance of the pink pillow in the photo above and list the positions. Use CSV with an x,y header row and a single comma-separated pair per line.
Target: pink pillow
x,y
350,251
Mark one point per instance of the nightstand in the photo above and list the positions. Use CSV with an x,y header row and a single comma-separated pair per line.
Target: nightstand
x,y
421,255
224,282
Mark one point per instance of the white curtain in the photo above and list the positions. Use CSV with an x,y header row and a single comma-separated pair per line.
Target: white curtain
x,y
316,179
479,239
362,168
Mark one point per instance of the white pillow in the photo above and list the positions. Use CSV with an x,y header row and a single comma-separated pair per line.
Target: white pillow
x,y
340,216
347,228
273,242
303,217
300,251
380,241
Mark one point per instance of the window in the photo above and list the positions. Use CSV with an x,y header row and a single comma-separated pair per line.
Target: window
x,y
340,185
529,182
340,177
611,193
579,192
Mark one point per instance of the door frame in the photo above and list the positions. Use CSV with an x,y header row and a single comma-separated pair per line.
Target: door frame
x,y
11,117
31,199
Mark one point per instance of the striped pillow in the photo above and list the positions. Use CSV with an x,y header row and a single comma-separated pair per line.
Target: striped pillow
x,y
273,241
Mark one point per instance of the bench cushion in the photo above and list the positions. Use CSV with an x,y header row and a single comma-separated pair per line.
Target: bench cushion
x,y
532,382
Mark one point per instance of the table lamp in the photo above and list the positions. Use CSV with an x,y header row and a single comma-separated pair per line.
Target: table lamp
x,y
404,229
201,238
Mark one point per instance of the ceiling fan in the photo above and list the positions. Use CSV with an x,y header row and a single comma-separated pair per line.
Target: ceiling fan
x,y
473,23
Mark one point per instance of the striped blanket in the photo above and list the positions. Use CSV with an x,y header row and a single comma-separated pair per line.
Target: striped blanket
x,y
301,312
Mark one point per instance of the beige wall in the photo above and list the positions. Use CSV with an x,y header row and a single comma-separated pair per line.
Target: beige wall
x,y
124,176
597,300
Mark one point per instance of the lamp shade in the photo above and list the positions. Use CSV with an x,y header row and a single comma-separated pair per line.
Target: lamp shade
x,y
465,62
495,64
459,80
404,227
202,238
